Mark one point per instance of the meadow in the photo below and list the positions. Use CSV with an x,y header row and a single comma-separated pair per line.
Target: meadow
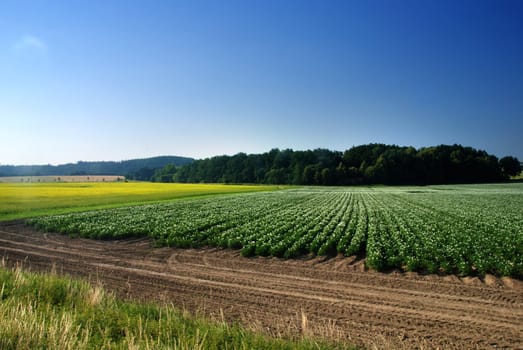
x,y
22,200
465,230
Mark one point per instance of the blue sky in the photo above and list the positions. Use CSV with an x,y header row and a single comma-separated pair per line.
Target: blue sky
x,y
114,80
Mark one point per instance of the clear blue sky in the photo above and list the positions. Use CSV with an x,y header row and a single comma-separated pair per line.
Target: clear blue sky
x,y
114,80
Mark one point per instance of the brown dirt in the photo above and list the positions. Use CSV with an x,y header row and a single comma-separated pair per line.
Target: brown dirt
x,y
334,298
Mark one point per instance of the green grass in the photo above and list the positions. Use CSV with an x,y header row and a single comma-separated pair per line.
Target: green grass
x,y
22,200
45,311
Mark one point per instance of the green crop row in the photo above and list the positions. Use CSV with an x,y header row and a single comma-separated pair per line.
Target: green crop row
x,y
446,229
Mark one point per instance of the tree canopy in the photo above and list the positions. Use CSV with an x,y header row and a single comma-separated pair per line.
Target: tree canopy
x,y
510,166
365,164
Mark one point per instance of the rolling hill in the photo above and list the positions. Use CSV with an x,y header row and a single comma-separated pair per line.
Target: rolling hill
x,y
94,168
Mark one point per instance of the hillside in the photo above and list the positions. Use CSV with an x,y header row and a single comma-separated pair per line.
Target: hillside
x,y
94,168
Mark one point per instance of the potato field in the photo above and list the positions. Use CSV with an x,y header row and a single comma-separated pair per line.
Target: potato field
x,y
467,229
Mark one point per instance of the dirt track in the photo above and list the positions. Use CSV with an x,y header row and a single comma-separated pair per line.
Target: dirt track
x,y
335,298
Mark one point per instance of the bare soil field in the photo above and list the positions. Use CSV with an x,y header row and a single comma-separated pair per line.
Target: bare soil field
x,y
335,298
64,178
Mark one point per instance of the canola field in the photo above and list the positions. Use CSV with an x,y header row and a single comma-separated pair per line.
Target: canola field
x,y
467,229
22,200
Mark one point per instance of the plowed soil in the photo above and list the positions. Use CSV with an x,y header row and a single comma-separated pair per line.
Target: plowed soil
x,y
334,298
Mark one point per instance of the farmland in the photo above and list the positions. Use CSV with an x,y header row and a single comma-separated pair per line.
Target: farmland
x,y
22,200
297,260
69,178
336,298
66,313
465,230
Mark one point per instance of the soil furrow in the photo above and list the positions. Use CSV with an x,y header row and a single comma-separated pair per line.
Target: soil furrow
x,y
338,298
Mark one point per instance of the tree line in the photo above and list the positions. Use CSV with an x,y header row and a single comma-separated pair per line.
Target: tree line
x,y
365,164
125,167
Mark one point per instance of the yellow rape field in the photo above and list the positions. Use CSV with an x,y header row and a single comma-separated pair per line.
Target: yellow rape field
x,y
22,200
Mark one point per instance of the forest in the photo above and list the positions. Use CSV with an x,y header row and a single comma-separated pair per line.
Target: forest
x,y
125,167
359,165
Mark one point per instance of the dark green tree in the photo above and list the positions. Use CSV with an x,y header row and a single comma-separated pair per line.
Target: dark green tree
x,y
165,174
365,164
510,166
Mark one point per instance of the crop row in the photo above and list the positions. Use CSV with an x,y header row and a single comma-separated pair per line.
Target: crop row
x,y
437,230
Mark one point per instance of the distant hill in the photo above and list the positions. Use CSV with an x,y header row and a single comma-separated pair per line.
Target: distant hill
x,y
124,167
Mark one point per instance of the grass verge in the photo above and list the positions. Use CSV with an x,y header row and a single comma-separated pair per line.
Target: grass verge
x,y
46,311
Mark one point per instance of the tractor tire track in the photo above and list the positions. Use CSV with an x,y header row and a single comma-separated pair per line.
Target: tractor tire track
x,y
335,298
